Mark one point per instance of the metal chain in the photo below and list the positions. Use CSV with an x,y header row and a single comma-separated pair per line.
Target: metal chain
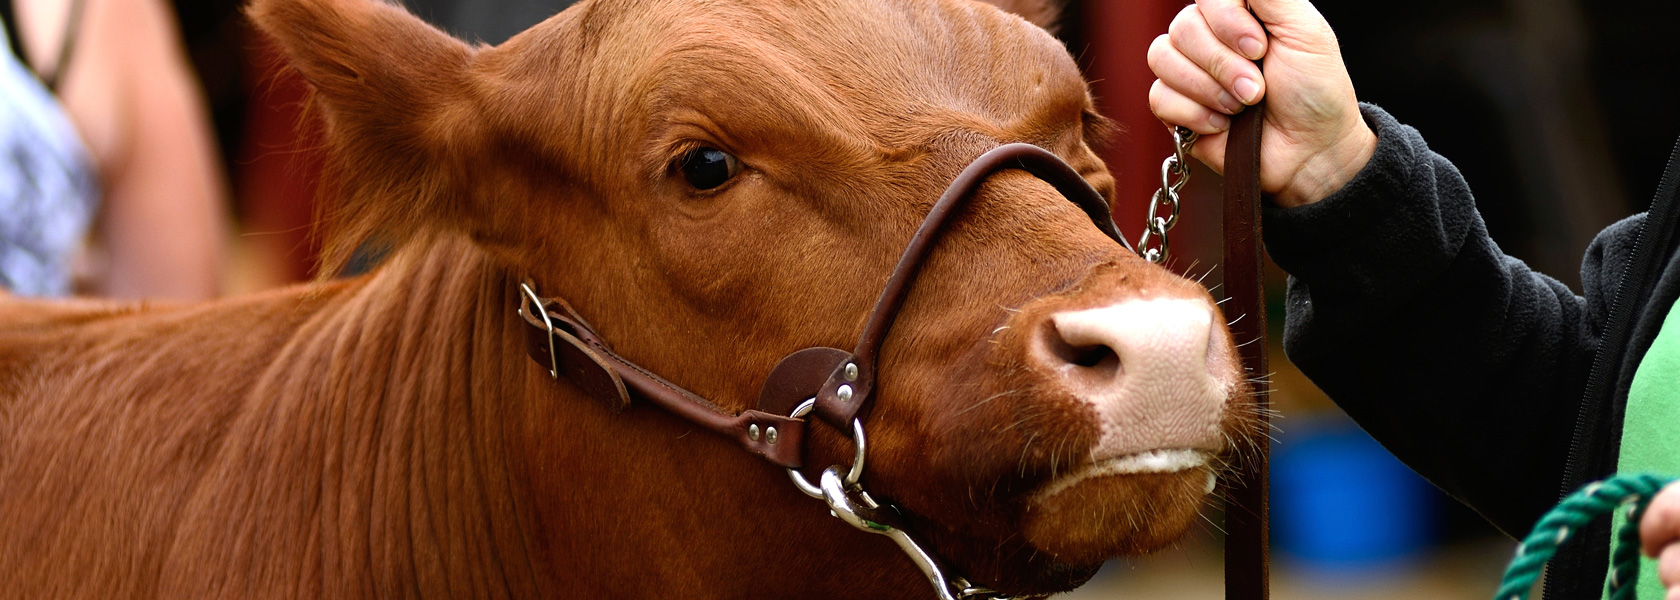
x,y
842,490
1175,172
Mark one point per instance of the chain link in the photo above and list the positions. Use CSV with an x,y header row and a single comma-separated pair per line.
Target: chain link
x,y
1175,172
842,490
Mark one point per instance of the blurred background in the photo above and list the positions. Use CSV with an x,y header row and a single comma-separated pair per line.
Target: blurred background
x,y
1560,113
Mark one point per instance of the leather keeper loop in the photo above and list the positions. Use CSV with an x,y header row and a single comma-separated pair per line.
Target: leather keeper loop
x,y
838,407
576,362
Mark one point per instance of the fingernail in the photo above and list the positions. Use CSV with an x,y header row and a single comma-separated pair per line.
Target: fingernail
x,y
1229,104
1219,122
1247,90
1250,47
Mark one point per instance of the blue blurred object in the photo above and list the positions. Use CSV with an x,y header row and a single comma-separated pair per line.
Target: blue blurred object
x,y
1342,505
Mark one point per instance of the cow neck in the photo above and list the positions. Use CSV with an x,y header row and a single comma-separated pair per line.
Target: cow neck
x,y
837,383
418,394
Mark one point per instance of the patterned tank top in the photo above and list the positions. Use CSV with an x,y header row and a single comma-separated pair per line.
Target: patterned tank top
x,y
48,186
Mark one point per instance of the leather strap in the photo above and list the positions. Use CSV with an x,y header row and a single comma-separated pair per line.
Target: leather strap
x,y
831,407
840,381
66,47
586,361
9,20
1246,540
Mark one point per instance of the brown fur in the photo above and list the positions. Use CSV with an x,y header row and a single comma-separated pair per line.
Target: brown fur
x,y
387,436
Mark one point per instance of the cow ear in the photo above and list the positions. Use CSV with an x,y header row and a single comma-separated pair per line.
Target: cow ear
x,y
390,91
1043,13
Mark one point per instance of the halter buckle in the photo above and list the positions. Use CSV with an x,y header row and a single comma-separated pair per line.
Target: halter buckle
x,y
537,305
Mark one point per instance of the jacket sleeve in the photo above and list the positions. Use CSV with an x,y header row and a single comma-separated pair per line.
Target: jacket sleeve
x,y
1462,361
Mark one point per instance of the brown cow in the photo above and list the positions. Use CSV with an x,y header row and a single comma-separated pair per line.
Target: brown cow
x,y
712,184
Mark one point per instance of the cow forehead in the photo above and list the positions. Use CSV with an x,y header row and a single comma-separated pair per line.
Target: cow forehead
x,y
865,68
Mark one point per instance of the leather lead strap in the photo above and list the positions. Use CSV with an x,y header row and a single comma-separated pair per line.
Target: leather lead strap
x,y
1247,569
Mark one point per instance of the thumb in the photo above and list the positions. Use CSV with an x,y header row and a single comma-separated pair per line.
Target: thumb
x,y
1661,524
1289,18
1210,149
1282,11
1232,24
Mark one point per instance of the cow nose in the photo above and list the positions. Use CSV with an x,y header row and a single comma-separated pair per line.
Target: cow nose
x,y
1161,337
1154,371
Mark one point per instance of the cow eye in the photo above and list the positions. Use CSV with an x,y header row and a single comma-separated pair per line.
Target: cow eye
x,y
707,168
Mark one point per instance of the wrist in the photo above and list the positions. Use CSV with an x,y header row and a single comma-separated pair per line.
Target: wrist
x,y
1328,171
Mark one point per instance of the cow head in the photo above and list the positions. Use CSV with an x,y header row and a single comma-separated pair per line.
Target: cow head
x,y
717,184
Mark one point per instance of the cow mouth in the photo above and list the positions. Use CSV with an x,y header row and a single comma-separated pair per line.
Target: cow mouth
x,y
1120,506
1166,460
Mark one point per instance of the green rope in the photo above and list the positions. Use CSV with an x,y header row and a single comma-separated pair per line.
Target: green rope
x,y
1594,500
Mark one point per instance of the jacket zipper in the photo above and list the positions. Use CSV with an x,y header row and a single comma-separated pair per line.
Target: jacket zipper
x,y
1622,319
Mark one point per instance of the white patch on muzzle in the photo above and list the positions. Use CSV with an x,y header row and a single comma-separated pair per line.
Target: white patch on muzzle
x,y
1165,384
1154,461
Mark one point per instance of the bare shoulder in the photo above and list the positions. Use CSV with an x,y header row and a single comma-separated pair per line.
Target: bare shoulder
x,y
117,49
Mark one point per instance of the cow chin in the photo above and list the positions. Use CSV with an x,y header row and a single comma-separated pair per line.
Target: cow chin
x,y
1111,509
1066,529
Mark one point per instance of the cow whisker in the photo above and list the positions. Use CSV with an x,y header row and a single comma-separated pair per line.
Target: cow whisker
x,y
1211,523
1021,465
988,399
1211,269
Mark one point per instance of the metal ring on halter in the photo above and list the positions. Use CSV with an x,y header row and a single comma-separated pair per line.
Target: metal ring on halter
x,y
859,451
536,305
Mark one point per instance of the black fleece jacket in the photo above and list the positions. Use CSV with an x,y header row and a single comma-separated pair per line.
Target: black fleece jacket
x,y
1496,383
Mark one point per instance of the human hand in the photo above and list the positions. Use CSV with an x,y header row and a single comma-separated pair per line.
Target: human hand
x,y
1659,536
1314,140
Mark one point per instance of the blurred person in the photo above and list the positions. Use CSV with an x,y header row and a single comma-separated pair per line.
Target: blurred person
x,y
1497,383
138,167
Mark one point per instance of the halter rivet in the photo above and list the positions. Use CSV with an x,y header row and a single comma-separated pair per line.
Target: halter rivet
x,y
845,393
752,432
851,372
770,434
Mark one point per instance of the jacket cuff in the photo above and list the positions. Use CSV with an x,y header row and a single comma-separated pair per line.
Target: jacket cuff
x,y
1399,221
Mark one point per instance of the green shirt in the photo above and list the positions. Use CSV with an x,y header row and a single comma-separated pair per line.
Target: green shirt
x,y
1651,426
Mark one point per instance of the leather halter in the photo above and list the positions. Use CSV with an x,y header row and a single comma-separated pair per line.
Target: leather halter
x,y
841,382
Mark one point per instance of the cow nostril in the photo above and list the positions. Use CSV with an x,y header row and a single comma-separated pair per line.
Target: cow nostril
x,y
1097,356
1087,356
